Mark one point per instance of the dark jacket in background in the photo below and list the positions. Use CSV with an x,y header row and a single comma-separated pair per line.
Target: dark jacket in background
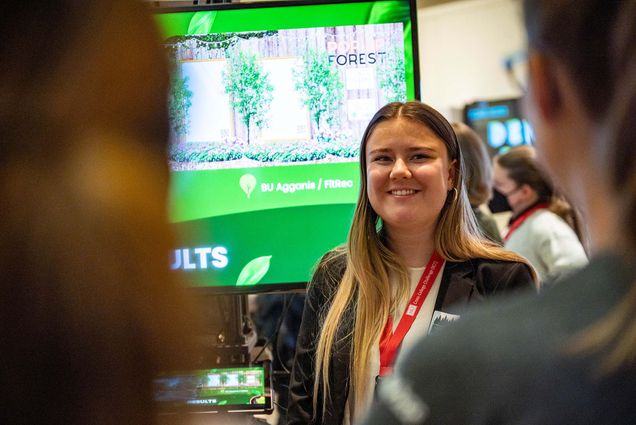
x,y
462,283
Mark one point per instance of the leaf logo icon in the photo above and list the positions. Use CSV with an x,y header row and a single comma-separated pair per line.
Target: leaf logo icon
x,y
254,271
247,183
201,22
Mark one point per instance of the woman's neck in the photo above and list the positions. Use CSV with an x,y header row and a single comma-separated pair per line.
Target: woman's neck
x,y
414,247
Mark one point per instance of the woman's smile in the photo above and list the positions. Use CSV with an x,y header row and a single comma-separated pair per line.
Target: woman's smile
x,y
403,192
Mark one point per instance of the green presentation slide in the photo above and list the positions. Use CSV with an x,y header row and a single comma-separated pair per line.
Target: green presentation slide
x,y
268,105
239,386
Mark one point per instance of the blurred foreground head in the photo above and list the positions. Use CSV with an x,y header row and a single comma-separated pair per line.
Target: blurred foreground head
x,y
89,312
582,102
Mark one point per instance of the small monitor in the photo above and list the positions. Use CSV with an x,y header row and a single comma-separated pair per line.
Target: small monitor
x,y
231,389
268,105
499,123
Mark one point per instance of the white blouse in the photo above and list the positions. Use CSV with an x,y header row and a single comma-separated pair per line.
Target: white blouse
x,y
419,329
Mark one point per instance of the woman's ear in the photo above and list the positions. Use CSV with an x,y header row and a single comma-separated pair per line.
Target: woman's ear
x,y
452,173
545,87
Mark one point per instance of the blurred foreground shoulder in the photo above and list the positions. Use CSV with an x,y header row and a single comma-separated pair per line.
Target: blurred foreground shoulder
x,y
511,362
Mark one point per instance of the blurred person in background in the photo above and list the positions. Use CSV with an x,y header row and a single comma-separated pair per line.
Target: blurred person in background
x,y
544,228
478,171
89,312
569,355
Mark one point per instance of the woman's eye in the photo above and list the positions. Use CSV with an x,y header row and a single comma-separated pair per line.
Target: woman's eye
x,y
381,158
420,156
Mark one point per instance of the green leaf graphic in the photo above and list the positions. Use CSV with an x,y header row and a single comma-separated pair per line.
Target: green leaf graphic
x,y
201,22
254,271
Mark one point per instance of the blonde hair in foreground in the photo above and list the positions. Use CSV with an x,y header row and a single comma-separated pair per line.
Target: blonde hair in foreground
x,y
365,284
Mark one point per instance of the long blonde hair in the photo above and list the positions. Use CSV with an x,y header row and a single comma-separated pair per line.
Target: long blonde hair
x,y
369,261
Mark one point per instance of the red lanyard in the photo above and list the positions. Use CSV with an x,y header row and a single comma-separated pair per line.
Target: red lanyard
x,y
523,217
390,341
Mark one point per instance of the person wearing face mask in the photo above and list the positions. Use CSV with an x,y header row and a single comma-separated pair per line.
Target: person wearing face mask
x,y
543,228
413,261
567,356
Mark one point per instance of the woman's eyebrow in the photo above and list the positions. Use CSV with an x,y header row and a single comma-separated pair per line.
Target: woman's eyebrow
x,y
422,148
409,149
379,150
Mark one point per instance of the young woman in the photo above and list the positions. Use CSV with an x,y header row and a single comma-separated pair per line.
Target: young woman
x,y
413,259
544,228
478,178
569,356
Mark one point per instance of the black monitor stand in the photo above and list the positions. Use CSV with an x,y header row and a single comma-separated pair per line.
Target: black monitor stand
x,y
230,326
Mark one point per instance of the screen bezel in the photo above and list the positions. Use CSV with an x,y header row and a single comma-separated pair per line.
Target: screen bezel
x,y
173,7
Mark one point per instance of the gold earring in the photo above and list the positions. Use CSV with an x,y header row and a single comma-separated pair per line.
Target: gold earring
x,y
455,193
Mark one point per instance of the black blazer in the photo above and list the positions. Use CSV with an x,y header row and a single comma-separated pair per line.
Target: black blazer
x,y
462,283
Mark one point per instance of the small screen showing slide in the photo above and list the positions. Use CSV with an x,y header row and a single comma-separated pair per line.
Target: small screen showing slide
x,y
223,389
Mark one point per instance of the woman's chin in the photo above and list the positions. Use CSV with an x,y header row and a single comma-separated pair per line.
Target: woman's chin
x,y
407,222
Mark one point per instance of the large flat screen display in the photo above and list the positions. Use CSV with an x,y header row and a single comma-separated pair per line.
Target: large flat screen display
x,y
268,104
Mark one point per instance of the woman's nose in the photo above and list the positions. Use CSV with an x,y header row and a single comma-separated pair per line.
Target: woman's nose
x,y
400,170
